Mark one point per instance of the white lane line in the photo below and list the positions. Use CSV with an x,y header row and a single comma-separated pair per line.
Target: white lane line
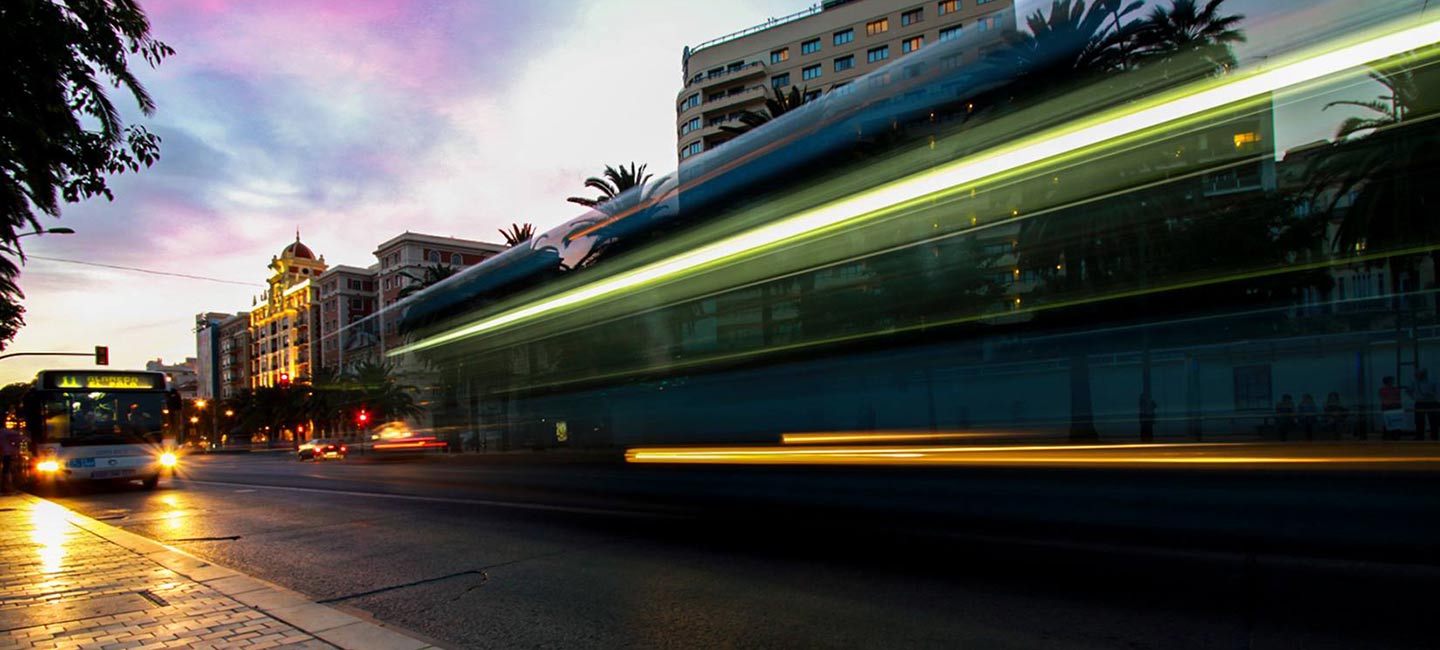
x,y
474,502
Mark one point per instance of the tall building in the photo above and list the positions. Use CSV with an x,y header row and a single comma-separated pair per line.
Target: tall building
x,y
346,332
207,353
234,336
816,50
281,320
403,260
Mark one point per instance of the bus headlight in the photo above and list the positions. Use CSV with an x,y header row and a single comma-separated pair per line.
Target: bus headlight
x,y
168,460
48,466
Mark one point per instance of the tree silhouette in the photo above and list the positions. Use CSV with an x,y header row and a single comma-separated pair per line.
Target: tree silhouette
x,y
62,135
1199,38
517,234
614,183
432,275
776,106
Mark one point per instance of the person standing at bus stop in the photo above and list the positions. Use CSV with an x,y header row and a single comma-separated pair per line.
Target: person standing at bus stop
x,y
10,446
1427,405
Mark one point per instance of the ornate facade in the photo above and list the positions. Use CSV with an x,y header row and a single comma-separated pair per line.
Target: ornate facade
x,y
281,320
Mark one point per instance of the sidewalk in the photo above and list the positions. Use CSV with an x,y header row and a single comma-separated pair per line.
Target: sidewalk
x,y
68,581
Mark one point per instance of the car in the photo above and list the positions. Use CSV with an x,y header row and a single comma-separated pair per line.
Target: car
x,y
322,449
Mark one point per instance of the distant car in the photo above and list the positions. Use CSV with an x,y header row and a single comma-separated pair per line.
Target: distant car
x,y
323,449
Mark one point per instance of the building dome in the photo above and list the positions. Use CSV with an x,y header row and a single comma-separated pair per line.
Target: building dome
x,y
298,249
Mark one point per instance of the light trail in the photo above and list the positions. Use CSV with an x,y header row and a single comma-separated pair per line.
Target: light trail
x,y
857,437
1180,454
1116,125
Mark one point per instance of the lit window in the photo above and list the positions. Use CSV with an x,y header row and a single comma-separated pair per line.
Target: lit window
x,y
877,27
878,54
810,47
780,80
913,16
810,72
949,33
845,62
1246,141
948,7
844,36
912,44
780,56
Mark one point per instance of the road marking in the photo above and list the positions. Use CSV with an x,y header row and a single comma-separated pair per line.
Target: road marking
x,y
473,502
243,491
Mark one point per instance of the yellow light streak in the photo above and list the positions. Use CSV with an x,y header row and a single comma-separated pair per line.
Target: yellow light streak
x,y
1124,454
1059,142
840,436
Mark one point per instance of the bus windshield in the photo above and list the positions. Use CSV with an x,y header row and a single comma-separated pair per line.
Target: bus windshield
x,y
103,418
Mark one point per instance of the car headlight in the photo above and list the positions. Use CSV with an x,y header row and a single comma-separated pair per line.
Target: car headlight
x,y
168,459
48,466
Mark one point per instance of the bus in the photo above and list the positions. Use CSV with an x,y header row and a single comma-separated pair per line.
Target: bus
x,y
84,426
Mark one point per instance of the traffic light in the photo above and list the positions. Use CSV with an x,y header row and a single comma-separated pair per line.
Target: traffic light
x,y
362,418
284,379
102,355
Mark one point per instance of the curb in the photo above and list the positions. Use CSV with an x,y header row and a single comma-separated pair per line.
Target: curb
x,y
348,629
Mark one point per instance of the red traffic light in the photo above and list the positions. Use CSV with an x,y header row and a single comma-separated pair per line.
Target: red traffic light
x,y
362,417
284,379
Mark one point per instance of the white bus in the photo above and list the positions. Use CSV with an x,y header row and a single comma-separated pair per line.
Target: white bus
x,y
99,425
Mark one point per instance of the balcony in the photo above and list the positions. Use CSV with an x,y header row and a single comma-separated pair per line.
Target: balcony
x,y
706,81
732,102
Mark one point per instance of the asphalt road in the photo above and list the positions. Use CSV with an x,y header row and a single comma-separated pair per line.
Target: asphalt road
x,y
591,554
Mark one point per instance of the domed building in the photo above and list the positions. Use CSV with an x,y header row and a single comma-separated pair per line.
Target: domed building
x,y
280,320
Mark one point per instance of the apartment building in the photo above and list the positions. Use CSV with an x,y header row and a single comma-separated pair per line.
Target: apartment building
x,y
345,309
403,260
281,320
816,50
234,359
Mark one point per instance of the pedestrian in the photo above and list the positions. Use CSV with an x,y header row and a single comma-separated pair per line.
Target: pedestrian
x,y
1335,415
1285,416
1309,413
1427,405
1392,413
10,465
1147,417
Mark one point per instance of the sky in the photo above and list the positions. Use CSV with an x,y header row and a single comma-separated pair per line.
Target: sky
x,y
355,120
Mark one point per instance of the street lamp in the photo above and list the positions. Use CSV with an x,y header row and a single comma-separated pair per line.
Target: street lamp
x,y
52,231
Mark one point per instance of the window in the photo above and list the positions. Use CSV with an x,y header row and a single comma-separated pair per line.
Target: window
x,y
878,54
810,72
714,72
1252,388
693,124
844,36
715,97
911,44
949,33
988,23
877,27
810,47
948,7
691,102
780,56
780,80
715,121
434,257
845,62
738,65
692,149
950,62
913,16
456,259
983,2
812,95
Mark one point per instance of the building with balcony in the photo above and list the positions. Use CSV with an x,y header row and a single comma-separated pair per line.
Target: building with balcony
x,y
816,50
234,357
345,317
403,261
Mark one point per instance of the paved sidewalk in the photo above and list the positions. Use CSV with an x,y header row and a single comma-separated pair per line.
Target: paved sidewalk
x,y
68,581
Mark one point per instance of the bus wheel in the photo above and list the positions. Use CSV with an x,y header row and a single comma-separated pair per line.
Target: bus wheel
x,y
151,481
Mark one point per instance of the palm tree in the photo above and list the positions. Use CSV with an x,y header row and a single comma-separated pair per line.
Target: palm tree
x,y
1201,37
776,107
433,275
517,234
615,182
381,393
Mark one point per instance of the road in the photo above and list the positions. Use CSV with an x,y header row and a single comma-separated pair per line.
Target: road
x,y
499,554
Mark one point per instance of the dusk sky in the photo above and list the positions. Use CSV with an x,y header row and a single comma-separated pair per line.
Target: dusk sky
x,y
355,120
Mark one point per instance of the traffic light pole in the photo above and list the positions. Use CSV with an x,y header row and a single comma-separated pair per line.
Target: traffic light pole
x,y
101,354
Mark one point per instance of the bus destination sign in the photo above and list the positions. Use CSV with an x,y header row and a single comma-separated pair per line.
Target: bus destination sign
x,y
104,381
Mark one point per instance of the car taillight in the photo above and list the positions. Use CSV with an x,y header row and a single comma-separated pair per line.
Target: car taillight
x,y
344,449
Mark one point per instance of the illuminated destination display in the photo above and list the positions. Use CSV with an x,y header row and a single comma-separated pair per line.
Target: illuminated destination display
x,y
105,381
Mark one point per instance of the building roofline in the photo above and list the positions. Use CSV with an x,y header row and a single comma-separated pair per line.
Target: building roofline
x,y
437,239
345,268
773,22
